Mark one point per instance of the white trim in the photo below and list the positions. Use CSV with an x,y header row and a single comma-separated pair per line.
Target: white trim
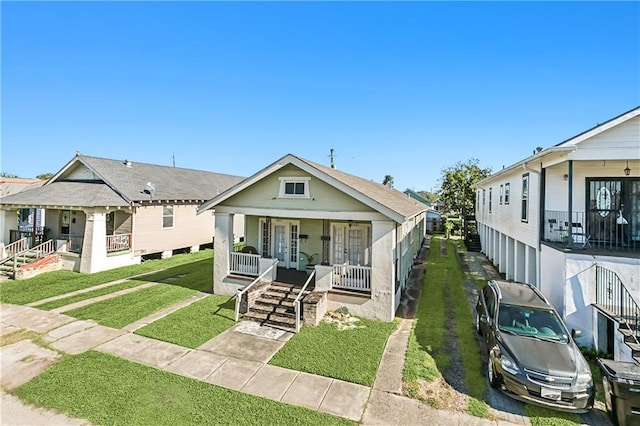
x,y
284,180
365,216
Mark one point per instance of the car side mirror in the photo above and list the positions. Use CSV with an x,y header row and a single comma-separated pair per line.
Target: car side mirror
x,y
576,333
483,318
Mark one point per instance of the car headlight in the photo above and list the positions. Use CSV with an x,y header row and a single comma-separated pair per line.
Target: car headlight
x,y
509,365
584,380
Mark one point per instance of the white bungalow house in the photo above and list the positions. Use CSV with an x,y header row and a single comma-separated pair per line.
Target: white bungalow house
x,y
364,236
567,219
104,213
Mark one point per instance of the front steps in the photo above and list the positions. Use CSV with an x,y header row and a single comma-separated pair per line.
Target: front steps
x,y
275,306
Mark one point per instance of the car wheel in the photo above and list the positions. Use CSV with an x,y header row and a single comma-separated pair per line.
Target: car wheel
x,y
494,378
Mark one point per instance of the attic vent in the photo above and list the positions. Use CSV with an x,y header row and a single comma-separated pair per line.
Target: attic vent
x,y
127,163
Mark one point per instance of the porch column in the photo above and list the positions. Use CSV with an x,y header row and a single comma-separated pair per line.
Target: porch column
x,y
222,247
94,244
383,255
8,220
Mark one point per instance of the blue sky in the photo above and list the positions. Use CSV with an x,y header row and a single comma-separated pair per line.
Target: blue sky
x,y
398,88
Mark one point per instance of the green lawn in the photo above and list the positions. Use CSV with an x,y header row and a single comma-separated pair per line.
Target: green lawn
x,y
59,282
88,295
195,324
108,390
352,355
125,309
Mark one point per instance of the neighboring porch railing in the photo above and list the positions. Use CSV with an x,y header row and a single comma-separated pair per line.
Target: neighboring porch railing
x,y
244,263
74,242
296,303
351,277
118,242
614,298
29,255
15,247
240,293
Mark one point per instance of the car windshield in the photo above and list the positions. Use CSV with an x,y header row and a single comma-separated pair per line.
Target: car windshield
x,y
531,322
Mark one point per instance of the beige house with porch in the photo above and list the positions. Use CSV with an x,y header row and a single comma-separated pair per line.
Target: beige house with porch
x,y
363,237
104,213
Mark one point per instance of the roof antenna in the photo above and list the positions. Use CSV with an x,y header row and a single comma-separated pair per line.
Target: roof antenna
x,y
173,159
333,164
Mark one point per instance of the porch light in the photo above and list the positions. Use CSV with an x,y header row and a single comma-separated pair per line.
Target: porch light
x,y
627,170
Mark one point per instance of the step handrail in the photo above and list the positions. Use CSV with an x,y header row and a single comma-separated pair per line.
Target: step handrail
x,y
296,303
624,307
240,293
40,251
15,247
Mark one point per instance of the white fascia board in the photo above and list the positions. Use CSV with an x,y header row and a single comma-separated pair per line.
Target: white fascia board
x,y
302,214
601,128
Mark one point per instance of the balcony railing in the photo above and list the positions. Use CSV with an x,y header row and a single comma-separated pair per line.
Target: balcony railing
x,y
596,230
118,242
244,263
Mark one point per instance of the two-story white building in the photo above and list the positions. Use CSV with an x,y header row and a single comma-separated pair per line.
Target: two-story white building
x,y
567,219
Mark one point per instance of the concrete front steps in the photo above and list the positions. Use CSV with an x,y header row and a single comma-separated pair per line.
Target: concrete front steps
x,y
275,306
7,268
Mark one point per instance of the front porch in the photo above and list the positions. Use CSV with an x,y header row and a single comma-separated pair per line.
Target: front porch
x,y
340,276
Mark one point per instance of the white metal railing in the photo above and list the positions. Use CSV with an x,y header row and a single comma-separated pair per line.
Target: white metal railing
x,y
244,263
351,277
15,247
118,242
296,303
239,293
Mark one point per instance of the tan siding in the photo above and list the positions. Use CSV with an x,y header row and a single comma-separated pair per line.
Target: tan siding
x,y
188,229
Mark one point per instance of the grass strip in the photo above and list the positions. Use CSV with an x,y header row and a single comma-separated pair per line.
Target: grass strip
x,y
110,390
88,295
425,358
128,308
351,354
470,351
194,324
541,416
59,282
197,275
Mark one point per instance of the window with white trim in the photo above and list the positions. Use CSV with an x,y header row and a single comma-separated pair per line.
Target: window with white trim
x,y
294,187
525,198
507,190
167,216
501,193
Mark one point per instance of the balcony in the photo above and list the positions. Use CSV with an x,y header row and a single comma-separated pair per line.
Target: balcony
x,y
596,231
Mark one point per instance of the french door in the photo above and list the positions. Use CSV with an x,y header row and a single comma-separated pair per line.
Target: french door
x,y
285,242
351,243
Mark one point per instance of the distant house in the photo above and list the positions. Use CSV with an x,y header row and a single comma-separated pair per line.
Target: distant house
x,y
26,218
106,213
364,235
567,219
433,220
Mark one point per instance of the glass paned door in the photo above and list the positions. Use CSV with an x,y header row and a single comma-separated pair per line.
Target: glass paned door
x,y
280,242
285,236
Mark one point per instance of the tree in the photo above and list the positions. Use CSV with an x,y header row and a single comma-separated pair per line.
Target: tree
x,y
457,192
388,181
44,176
7,175
431,196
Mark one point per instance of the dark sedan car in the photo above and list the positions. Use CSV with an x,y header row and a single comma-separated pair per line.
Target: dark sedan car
x,y
531,355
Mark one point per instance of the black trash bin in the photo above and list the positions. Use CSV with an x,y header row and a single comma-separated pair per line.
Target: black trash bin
x,y
621,382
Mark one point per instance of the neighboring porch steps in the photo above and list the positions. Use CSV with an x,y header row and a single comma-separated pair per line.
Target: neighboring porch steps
x,y
24,259
631,337
275,306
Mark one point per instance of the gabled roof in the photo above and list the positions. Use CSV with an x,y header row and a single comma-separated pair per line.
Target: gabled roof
x,y
388,201
413,194
122,183
569,145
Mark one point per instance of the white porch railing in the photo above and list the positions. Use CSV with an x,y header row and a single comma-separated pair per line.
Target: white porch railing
x,y
351,277
244,263
118,242
239,293
15,247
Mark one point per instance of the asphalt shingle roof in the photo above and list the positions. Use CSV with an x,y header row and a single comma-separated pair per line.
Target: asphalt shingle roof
x,y
122,184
